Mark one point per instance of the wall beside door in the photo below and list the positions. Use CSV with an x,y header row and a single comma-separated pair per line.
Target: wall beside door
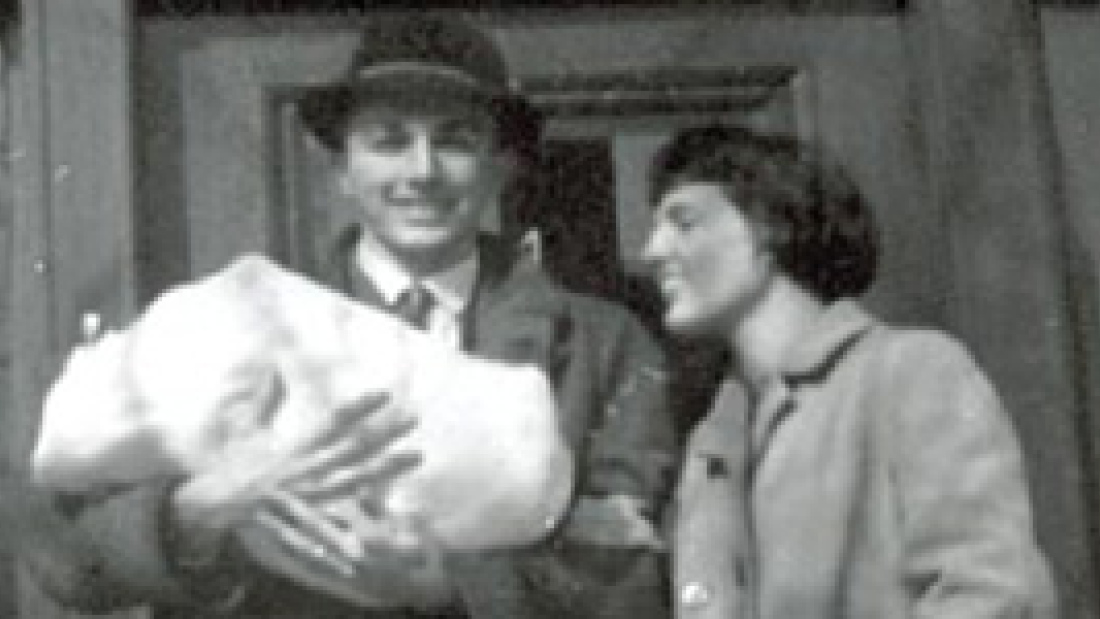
x,y
1072,54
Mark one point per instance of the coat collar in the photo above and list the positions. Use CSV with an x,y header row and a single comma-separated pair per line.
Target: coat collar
x,y
738,428
839,326
516,313
496,257
724,427
842,324
452,287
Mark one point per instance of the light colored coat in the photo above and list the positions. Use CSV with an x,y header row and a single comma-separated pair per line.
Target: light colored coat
x,y
879,477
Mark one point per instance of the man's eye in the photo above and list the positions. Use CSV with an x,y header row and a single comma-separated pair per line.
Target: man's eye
x,y
383,138
389,142
461,139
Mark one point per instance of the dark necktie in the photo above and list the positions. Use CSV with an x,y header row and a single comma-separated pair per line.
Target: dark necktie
x,y
414,305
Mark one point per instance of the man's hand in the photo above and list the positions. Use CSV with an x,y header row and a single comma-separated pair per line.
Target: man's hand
x,y
616,521
350,457
368,557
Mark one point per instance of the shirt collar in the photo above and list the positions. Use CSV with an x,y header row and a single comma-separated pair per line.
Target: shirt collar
x,y
840,325
452,287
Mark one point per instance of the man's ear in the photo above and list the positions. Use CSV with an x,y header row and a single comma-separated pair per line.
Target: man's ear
x,y
337,170
342,180
505,165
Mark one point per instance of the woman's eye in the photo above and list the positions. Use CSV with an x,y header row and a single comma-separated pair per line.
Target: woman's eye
x,y
682,217
685,222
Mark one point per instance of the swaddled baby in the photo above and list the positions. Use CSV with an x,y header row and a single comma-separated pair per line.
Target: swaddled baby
x,y
165,395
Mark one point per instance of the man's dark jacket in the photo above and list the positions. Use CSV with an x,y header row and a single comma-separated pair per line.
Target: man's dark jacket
x,y
610,380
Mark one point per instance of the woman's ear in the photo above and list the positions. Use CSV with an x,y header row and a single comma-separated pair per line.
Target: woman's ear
x,y
766,241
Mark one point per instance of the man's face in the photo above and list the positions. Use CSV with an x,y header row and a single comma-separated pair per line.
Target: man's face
x,y
421,179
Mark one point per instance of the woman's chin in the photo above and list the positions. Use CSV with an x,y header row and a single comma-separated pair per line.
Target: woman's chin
x,y
683,322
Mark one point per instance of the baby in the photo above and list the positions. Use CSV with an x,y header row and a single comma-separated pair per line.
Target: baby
x,y
163,396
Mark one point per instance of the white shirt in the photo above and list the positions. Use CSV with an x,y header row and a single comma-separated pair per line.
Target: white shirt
x,y
452,288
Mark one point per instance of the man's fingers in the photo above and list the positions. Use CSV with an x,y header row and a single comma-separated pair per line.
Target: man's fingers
x,y
389,542
347,418
302,546
272,392
310,528
361,445
352,543
372,437
359,478
384,429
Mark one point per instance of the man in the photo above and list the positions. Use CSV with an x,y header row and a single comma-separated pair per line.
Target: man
x,y
425,134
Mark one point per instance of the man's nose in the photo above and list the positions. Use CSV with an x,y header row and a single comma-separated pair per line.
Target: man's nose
x,y
422,158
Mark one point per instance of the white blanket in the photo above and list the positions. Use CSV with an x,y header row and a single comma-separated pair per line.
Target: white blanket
x,y
164,395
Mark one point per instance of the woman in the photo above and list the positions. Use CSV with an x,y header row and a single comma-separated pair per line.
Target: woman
x,y
846,468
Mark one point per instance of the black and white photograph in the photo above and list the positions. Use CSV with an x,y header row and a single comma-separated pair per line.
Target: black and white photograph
x,y
576,309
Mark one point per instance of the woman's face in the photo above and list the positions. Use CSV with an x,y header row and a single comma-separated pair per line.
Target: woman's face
x,y
707,259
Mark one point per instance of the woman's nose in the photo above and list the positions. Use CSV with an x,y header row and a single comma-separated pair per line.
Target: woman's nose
x,y
654,250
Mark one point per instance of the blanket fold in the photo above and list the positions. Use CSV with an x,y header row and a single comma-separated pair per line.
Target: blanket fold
x,y
166,394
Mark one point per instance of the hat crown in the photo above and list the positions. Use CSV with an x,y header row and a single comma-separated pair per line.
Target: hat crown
x,y
427,60
429,44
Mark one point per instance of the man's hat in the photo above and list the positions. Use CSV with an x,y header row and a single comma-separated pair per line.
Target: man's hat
x,y
416,58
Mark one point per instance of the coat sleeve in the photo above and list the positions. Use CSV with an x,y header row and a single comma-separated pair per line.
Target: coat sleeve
x,y
631,447
969,545
114,558
117,556
605,560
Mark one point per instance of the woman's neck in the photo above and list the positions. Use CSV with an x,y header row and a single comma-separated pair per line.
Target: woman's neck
x,y
762,341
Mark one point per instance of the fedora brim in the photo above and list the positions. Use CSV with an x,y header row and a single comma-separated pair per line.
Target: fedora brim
x,y
326,110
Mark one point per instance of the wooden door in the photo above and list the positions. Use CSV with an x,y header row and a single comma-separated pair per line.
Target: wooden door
x,y
71,264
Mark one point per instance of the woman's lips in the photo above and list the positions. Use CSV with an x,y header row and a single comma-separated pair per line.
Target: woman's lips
x,y
670,285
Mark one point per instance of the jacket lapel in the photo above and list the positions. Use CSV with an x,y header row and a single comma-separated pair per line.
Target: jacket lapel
x,y
500,268
336,270
840,326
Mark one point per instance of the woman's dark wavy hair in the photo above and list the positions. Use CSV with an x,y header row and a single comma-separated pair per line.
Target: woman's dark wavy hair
x,y
810,212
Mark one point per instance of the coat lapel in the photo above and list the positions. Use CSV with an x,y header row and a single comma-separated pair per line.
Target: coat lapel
x,y
842,324
337,271
516,313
